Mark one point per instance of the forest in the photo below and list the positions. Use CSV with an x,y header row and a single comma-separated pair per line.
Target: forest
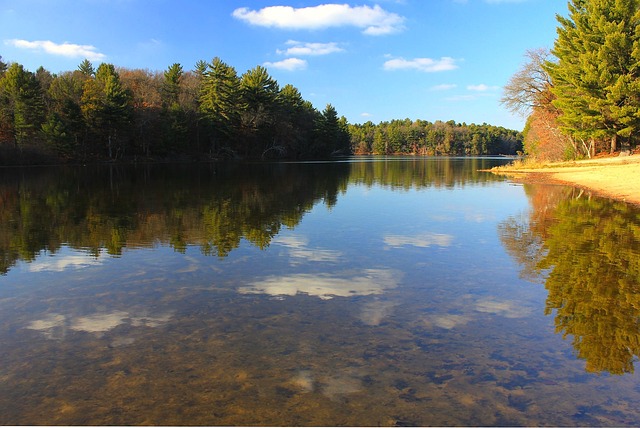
x,y
422,137
112,113
582,97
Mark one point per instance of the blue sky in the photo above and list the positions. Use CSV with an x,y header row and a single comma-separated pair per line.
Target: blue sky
x,y
372,60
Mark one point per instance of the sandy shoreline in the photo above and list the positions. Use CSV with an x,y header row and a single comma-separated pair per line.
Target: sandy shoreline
x,y
613,177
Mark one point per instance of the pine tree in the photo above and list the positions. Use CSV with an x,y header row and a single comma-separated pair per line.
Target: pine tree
x,y
218,98
106,106
596,78
86,68
258,107
21,105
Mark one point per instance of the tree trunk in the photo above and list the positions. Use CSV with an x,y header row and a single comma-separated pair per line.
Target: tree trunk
x,y
614,143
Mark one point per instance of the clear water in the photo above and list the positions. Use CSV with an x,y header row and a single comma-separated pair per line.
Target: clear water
x,y
371,291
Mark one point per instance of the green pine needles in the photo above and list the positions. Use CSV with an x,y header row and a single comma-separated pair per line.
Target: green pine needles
x,y
596,74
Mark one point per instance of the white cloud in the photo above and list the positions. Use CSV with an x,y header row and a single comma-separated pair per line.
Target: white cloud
x,y
54,326
66,49
310,49
289,64
447,321
427,65
298,249
482,88
373,20
326,286
507,309
60,263
443,87
424,240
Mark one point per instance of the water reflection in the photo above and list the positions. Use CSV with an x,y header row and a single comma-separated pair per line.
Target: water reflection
x,y
344,294
326,286
587,249
117,207
213,206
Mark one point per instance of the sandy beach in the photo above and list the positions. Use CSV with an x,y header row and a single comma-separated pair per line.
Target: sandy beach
x,y
613,177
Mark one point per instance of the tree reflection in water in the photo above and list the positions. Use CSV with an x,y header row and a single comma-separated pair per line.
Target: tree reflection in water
x,y
587,250
212,206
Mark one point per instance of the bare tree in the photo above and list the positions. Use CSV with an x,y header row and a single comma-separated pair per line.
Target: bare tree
x,y
531,86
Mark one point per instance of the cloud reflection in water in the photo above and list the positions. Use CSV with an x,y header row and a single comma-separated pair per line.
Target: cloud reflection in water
x,y
55,326
60,262
299,250
423,240
326,286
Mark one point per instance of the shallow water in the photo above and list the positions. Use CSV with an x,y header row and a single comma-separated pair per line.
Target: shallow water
x,y
372,291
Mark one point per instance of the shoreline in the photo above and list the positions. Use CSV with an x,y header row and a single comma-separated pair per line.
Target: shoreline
x,y
611,177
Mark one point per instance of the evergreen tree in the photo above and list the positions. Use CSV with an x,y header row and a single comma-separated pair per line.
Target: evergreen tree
x,y
259,94
86,68
218,98
171,85
3,66
596,78
332,135
64,126
106,106
174,119
21,105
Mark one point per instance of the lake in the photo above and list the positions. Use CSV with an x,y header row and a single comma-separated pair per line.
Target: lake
x,y
369,291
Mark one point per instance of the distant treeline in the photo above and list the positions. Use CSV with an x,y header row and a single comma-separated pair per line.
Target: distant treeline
x,y
110,113
439,138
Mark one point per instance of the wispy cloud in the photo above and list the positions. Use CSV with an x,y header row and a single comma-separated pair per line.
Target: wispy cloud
x,y
372,20
55,326
299,250
289,64
475,92
482,88
423,240
443,87
66,49
427,65
326,286
62,263
310,49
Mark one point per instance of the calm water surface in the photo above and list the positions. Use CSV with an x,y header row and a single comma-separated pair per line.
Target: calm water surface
x,y
395,292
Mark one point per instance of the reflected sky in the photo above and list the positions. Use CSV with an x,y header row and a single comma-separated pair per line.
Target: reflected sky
x,y
369,300
326,286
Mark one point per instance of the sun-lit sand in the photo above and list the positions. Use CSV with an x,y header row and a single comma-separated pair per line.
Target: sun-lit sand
x,y
614,177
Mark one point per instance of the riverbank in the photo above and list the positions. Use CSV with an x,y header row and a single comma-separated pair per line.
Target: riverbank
x,y
613,177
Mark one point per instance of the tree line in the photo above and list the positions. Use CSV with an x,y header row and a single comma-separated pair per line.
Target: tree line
x,y
421,137
115,113
582,97
211,112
